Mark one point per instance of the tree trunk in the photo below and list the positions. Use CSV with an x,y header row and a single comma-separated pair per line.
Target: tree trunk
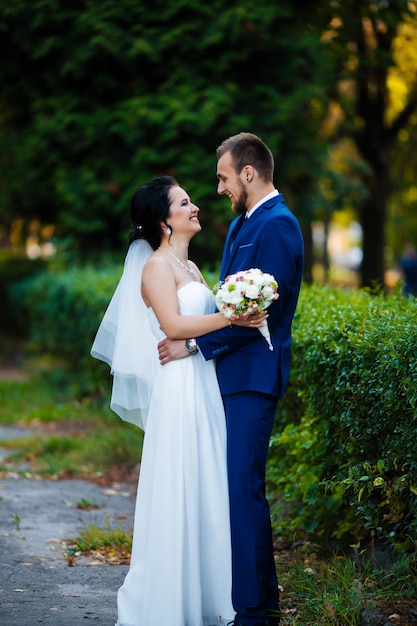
x,y
308,253
375,146
373,229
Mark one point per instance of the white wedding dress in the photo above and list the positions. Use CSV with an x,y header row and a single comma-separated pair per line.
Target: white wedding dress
x,y
180,570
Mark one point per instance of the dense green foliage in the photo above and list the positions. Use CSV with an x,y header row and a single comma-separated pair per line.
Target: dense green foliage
x,y
61,313
98,97
10,273
343,461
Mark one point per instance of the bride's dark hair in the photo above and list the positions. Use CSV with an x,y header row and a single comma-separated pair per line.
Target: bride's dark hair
x,y
149,207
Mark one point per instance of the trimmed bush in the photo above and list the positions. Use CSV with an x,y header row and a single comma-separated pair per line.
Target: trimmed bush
x,y
343,454
14,267
61,313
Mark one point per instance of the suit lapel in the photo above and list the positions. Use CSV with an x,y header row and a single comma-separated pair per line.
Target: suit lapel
x,y
241,226
235,233
233,244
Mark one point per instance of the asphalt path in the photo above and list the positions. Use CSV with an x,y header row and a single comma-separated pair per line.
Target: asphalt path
x,y
37,520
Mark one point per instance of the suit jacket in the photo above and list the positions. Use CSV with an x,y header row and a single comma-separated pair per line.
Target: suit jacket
x,y
270,240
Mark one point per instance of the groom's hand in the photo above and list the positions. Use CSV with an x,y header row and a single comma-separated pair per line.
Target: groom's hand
x,y
171,350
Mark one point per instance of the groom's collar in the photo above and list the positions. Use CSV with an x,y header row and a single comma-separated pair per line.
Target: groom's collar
x,y
262,201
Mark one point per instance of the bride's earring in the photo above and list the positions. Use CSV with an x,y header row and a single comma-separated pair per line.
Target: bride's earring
x,y
169,230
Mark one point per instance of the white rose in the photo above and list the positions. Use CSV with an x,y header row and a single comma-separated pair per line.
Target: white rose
x,y
268,292
252,292
234,297
228,297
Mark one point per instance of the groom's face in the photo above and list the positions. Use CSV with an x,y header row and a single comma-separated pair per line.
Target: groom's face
x,y
231,184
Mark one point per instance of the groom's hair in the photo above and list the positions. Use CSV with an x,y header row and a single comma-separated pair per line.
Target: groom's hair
x,y
248,149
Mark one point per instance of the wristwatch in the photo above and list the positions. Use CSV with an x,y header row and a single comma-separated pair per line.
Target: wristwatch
x,y
191,346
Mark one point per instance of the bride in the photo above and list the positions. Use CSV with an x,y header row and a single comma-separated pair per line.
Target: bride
x,y
180,569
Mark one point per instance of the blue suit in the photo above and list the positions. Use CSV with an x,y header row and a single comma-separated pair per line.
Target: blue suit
x,y
252,379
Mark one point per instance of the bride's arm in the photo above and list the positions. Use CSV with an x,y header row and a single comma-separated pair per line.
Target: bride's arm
x,y
159,291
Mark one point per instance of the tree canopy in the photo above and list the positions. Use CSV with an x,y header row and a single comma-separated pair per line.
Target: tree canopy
x,y
98,97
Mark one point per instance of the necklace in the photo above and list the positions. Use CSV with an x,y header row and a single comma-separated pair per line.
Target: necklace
x,y
187,269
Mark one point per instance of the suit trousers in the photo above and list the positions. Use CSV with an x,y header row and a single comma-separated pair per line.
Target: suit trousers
x,y
249,419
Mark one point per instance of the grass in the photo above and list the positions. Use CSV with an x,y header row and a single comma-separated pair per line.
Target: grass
x,y
112,544
64,436
315,590
341,590
24,401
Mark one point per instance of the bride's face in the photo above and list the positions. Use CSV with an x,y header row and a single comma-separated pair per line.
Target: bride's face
x,y
183,214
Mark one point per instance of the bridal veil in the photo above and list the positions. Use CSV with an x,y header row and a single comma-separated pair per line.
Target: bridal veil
x,y
125,341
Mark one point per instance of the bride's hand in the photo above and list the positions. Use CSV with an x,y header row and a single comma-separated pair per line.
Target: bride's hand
x,y
253,321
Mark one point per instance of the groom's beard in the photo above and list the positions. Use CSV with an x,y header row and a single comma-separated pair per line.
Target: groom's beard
x,y
240,205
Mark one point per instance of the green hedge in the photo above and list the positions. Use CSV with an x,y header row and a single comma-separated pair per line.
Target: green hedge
x,y
61,312
14,266
343,455
343,460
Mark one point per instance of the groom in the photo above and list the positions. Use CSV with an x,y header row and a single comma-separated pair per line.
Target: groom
x,y
265,235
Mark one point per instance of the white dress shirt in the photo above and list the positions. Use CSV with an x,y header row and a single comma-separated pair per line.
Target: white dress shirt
x,y
258,204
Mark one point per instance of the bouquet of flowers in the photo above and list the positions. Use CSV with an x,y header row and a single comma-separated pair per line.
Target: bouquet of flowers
x,y
245,293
